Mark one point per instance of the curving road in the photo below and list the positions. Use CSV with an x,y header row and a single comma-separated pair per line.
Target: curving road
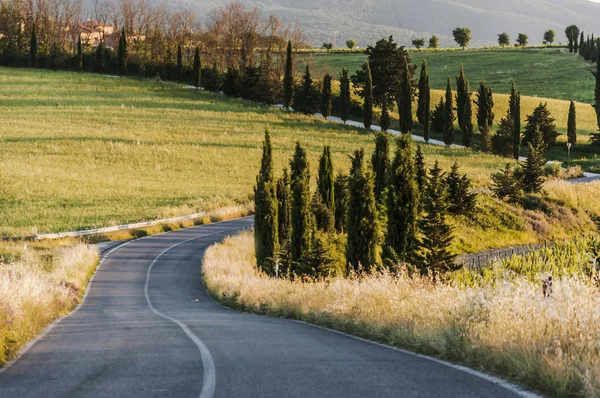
x,y
148,329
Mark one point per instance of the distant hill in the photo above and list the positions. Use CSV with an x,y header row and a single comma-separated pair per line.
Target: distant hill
x,y
368,20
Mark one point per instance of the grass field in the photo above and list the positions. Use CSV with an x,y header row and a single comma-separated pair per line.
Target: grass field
x,y
550,73
82,151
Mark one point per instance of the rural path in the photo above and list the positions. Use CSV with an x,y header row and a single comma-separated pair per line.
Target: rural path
x,y
149,329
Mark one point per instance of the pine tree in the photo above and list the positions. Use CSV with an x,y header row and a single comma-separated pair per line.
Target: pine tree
x,y
515,115
461,199
533,169
345,95
302,219
385,116
306,97
284,209
326,96
197,68
485,115
363,248
79,54
448,119
503,140
402,203
507,184
381,163
437,117
122,53
436,237
288,78
340,189
266,237
33,47
325,181
405,100
572,125
368,99
420,173
541,121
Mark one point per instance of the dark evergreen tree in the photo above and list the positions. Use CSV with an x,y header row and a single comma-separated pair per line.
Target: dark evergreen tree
x,y
122,53
100,58
33,47
340,189
549,37
306,96
385,117
179,59
325,182
533,169
402,204
345,95
572,125
485,115
507,185
420,173
515,114
523,39
368,99
448,119
302,218
436,237
284,209
266,236
437,117
503,140
79,54
426,111
232,84
405,100
288,78
461,198
503,39
541,121
581,44
462,92
467,127
381,163
197,68
363,248
597,92
572,33
326,96
423,93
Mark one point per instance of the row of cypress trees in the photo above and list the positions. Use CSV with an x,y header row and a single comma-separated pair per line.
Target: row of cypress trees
x,y
384,212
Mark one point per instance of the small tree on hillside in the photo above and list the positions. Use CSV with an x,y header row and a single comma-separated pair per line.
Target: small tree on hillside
x,y
462,36
448,119
33,47
596,105
350,44
368,99
503,39
572,33
363,228
266,235
306,96
325,182
288,78
541,121
122,53
381,164
326,96
522,39
549,36
463,105
79,54
198,68
514,106
503,140
327,46
344,95
418,43
437,116
581,44
507,185
405,100
533,169
340,189
420,174
434,42
572,125
461,198
302,218
100,58
385,121
284,209
485,115
423,93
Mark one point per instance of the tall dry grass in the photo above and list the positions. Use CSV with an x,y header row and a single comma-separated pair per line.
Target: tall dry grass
x,y
37,288
505,327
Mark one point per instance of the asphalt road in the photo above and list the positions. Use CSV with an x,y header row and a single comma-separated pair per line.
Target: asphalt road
x,y
149,329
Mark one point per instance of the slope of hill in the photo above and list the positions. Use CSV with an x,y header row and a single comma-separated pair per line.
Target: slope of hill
x,y
369,20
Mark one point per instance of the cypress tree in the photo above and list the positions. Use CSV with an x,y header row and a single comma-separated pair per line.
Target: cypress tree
x,y
79,54
284,209
197,68
405,100
423,93
325,181
572,125
462,90
288,78
467,127
363,248
575,44
368,99
345,95
122,53
533,169
306,97
485,115
597,92
437,117
461,199
179,59
326,96
420,173
448,119
100,58
436,233
426,111
33,47
340,189
515,114
302,219
381,163
503,140
402,203
581,44
385,116
266,237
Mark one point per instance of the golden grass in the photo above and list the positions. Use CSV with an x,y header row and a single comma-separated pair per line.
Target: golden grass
x,y
505,328
38,287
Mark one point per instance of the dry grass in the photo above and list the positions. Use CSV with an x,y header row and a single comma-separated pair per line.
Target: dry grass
x,y
505,328
38,287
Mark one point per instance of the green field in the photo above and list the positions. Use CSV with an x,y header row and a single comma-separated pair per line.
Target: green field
x,y
549,73
82,151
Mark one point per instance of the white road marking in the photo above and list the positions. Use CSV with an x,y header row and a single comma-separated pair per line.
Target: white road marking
x,y
210,375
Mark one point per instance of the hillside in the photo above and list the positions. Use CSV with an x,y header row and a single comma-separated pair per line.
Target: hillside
x,y
368,20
